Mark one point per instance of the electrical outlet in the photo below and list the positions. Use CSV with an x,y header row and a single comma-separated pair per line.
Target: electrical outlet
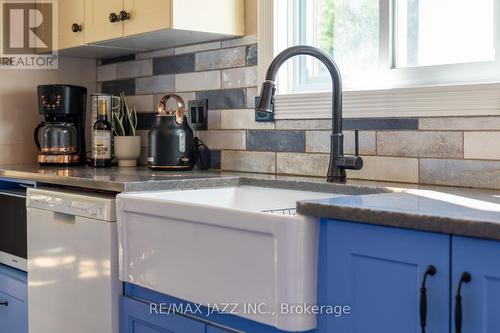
x,y
198,111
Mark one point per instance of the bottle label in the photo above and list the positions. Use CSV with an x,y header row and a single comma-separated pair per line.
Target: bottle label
x,y
102,145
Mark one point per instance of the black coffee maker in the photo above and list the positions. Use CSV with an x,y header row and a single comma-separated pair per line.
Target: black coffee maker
x,y
61,137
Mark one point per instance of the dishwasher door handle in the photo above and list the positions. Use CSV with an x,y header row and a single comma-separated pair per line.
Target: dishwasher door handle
x,y
64,218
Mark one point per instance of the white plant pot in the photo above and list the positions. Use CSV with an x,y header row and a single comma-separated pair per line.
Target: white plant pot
x,y
127,150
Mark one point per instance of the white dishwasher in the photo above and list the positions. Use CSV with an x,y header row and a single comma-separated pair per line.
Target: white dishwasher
x,y
73,283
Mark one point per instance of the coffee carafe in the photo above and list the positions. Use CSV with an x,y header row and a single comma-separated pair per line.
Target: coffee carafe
x,y
57,138
61,137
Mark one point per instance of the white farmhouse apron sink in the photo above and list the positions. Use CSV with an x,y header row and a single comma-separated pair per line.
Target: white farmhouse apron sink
x,y
223,245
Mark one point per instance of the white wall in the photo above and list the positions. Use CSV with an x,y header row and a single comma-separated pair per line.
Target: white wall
x,y
19,106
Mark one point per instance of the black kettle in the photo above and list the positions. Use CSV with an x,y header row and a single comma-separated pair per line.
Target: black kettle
x,y
171,139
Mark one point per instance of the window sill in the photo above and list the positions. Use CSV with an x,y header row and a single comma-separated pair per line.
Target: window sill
x,y
439,101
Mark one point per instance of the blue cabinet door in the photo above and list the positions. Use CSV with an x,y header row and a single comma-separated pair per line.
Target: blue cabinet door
x,y
13,314
13,297
481,296
377,272
135,317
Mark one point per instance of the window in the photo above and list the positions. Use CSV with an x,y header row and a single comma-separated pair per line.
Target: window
x,y
440,32
390,43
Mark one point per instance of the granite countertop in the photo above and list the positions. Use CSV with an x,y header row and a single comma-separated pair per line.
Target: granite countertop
x,y
143,179
113,179
465,212
450,210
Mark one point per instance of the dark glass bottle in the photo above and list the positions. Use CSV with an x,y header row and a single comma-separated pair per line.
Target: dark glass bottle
x,y
101,151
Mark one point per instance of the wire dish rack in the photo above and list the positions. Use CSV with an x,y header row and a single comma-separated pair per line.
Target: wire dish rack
x,y
281,211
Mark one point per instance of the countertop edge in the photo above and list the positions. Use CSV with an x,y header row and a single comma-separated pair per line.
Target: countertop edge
x,y
64,181
431,223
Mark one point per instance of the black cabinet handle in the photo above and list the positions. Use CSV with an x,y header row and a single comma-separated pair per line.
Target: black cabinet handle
x,y
431,271
464,278
113,18
76,27
120,17
4,303
123,16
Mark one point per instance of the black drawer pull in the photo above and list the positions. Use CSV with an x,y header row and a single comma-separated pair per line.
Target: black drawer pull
x,y
123,15
113,18
120,17
464,278
76,27
431,271
4,303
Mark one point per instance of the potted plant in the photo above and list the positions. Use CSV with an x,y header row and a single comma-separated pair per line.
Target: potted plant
x,y
127,143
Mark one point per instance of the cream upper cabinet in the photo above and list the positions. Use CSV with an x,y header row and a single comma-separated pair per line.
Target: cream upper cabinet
x,y
147,16
71,23
214,16
126,23
98,26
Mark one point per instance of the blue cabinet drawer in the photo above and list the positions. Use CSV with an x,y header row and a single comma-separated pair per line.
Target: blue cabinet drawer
x,y
13,282
135,317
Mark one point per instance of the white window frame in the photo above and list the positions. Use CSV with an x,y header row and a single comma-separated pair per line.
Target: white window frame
x,y
479,96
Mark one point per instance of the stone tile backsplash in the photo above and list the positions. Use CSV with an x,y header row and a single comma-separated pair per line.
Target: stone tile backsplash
x,y
277,141
152,84
183,63
224,99
458,151
116,86
420,144
482,145
223,58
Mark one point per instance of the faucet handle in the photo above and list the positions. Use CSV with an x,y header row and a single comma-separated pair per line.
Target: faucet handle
x,y
351,162
356,142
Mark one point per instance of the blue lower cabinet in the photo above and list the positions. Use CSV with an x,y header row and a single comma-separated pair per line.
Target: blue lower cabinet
x,y
480,297
135,317
214,329
13,314
13,300
373,276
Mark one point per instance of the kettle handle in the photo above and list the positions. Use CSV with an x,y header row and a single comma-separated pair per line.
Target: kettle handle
x,y
35,135
181,107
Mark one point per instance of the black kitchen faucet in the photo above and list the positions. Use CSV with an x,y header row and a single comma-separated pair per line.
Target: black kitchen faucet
x,y
338,161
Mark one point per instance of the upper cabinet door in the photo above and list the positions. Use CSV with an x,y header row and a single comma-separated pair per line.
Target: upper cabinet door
x,y
147,16
98,26
480,297
378,272
71,23
225,17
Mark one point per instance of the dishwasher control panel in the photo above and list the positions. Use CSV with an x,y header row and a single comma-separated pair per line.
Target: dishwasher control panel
x,y
98,207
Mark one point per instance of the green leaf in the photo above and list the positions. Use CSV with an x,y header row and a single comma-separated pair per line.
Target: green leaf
x,y
125,119
134,118
119,130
